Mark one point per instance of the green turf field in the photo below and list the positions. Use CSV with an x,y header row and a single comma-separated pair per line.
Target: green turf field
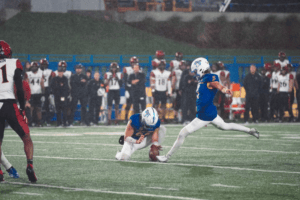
x,y
57,33
78,163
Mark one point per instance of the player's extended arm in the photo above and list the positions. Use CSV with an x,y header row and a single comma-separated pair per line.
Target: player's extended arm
x,y
129,132
155,137
173,80
291,85
220,87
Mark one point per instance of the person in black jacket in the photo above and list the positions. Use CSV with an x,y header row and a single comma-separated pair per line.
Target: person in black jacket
x,y
60,88
78,92
95,91
252,85
181,92
189,88
264,95
137,81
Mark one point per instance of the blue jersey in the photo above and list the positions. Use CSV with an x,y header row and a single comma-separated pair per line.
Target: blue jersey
x,y
138,126
206,110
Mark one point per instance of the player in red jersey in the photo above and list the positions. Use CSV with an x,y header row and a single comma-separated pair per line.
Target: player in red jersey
x,y
10,74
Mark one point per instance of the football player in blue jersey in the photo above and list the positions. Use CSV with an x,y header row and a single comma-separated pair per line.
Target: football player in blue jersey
x,y
142,130
208,85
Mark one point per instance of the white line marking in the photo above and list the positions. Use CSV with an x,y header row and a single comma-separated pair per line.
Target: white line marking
x,y
288,184
82,148
228,186
27,193
160,188
297,138
104,191
197,148
158,163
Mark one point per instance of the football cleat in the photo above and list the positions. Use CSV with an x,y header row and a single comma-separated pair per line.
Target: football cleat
x,y
12,172
30,173
162,158
254,132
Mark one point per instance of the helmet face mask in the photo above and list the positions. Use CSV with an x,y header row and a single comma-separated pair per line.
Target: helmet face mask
x,y
114,67
178,56
160,54
44,64
34,66
281,56
63,64
162,65
134,60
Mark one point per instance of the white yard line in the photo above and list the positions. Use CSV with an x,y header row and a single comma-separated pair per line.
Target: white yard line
x,y
288,184
158,163
227,186
160,188
104,191
196,148
27,193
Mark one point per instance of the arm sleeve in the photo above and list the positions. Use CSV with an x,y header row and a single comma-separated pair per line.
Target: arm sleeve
x,y
19,86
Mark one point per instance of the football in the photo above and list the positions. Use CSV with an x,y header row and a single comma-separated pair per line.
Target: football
x,y
153,153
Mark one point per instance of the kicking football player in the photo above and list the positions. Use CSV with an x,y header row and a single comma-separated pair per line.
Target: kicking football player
x,y
12,172
142,130
206,111
10,74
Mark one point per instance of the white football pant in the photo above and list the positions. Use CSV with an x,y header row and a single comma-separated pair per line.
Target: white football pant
x,y
129,148
197,124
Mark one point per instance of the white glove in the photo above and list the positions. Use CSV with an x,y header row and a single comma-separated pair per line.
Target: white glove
x,y
101,92
43,98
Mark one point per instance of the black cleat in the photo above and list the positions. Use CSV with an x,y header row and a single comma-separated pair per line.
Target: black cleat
x,y
30,173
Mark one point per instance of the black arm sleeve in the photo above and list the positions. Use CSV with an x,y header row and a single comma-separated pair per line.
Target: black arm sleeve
x,y
19,86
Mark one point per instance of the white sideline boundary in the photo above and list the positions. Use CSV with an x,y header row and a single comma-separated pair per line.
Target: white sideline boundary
x,y
27,193
227,186
195,148
158,163
102,191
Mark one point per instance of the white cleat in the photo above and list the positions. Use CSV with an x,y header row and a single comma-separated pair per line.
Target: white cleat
x,y
162,158
254,132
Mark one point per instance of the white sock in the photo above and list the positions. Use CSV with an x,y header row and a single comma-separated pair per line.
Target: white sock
x,y
5,162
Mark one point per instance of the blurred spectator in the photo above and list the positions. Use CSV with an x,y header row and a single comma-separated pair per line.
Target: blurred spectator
x,y
282,61
88,74
292,74
60,88
127,71
264,95
48,74
113,79
36,81
160,56
95,90
285,84
160,80
189,88
78,92
297,85
252,85
174,64
137,81
181,86
176,76
26,68
67,74
274,95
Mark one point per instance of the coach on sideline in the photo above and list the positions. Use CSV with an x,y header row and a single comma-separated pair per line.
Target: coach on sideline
x,y
137,81
252,85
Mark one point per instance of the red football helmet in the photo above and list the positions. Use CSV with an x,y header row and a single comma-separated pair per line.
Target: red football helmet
x,y
178,56
281,55
44,63
5,50
114,65
62,64
160,54
220,65
34,66
268,66
277,66
134,59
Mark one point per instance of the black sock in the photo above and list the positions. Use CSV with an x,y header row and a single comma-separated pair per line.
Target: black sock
x,y
29,161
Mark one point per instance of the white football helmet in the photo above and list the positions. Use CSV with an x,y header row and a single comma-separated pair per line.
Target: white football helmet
x,y
199,66
149,117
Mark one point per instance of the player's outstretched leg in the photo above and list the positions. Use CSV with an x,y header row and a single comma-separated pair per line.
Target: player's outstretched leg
x,y
219,122
9,168
190,128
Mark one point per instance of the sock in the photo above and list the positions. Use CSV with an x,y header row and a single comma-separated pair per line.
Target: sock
x,y
182,135
5,162
30,162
